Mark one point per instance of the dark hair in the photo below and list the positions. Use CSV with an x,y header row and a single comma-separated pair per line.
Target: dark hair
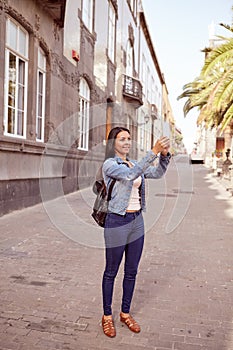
x,y
110,147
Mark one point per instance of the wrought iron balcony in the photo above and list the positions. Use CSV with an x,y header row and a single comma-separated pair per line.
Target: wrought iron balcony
x,y
56,9
132,90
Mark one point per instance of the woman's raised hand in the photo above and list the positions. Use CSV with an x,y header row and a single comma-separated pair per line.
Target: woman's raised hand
x,y
162,145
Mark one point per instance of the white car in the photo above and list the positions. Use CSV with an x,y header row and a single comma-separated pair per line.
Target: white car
x,y
196,157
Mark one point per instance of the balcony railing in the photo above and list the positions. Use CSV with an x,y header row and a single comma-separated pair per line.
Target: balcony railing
x,y
56,9
132,90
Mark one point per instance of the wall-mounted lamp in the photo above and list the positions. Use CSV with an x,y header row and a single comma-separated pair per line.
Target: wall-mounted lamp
x,y
146,120
75,56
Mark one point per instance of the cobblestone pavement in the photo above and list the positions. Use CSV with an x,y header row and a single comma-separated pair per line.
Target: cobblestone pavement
x,y
50,289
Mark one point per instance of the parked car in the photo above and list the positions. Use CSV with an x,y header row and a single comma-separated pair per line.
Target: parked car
x,y
196,157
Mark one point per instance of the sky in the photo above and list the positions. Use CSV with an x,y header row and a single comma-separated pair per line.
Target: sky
x,y
179,31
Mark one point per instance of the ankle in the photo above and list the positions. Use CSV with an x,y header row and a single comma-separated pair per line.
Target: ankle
x,y
108,317
124,315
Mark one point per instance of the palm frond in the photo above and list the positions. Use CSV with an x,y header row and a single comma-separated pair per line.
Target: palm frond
x,y
226,26
228,118
217,58
224,94
212,91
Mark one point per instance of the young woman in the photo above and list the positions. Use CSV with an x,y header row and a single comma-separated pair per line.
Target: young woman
x,y
124,226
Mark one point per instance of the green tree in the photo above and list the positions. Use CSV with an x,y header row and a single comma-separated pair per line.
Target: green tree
x,y
212,91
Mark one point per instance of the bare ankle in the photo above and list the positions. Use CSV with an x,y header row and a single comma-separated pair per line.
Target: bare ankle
x,y
108,317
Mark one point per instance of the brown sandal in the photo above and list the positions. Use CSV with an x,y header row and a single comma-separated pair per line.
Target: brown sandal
x,y
108,327
131,323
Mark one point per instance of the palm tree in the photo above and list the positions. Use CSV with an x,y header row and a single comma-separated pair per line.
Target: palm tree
x,y
212,91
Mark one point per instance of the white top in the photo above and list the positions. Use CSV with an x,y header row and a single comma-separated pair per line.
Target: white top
x,y
134,201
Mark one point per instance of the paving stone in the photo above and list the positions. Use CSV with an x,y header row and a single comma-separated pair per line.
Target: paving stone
x,y
8,343
50,294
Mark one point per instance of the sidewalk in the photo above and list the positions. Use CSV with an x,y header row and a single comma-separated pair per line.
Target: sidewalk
x,y
225,182
50,291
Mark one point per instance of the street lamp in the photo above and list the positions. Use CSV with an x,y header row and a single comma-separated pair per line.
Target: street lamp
x,y
146,120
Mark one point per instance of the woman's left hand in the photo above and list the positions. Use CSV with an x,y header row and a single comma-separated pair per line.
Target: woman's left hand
x,y
166,147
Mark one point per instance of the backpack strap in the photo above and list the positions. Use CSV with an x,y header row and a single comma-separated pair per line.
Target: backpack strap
x,y
110,189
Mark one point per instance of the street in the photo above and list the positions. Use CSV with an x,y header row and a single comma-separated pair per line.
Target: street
x,y
52,260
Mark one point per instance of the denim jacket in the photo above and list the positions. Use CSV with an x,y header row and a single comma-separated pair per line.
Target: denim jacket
x,y
116,168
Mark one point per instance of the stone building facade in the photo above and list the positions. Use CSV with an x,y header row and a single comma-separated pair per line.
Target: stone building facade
x,y
71,70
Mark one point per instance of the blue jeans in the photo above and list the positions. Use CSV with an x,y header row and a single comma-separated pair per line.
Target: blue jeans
x,y
123,234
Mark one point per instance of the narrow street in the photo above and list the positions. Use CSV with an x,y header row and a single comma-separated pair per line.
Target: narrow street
x,y
50,290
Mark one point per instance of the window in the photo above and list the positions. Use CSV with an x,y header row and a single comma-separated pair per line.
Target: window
x,y
153,100
143,77
133,6
16,72
111,32
148,87
87,14
142,131
40,103
157,95
159,103
84,102
129,60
